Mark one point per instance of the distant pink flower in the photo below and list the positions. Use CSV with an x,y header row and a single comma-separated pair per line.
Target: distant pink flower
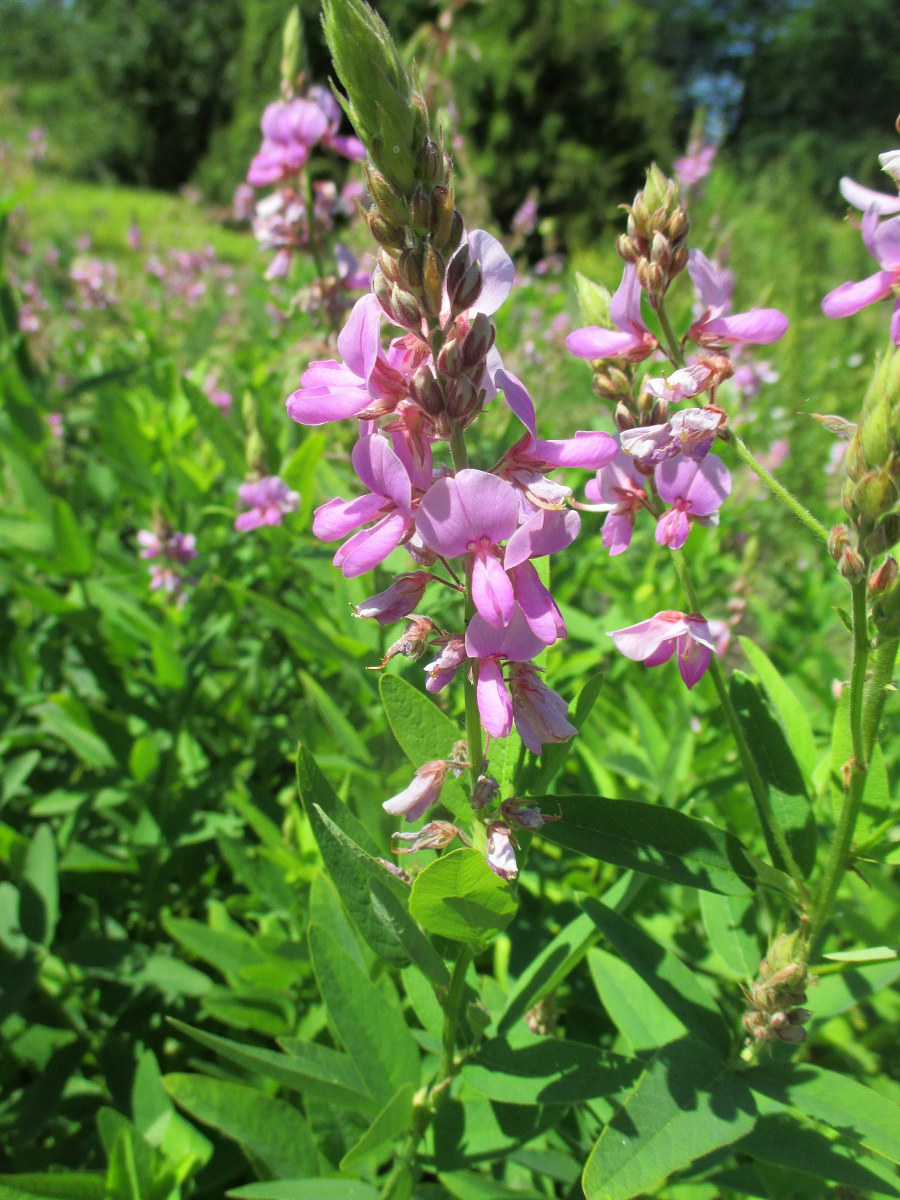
x,y
55,421
629,339
133,237
717,326
696,164
695,488
268,499
350,147
424,791
221,399
882,239
243,202
290,129
177,547
654,641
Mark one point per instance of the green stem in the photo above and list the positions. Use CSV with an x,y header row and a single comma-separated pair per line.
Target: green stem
x,y
777,489
447,1069
883,660
857,767
672,344
754,779
474,739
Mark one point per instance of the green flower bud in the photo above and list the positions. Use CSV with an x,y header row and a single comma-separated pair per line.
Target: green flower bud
x,y
291,47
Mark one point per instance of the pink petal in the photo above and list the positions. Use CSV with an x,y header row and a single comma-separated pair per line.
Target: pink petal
x,y
703,484
494,703
249,520
594,342
639,642
369,547
360,339
517,398
547,532
497,268
617,531
515,641
382,472
672,529
317,405
712,284
588,450
865,198
885,245
849,298
460,511
537,605
338,517
693,659
625,306
492,590
758,327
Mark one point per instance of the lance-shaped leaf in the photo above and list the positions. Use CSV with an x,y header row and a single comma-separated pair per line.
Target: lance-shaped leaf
x,y
549,968
686,1103
652,839
395,1118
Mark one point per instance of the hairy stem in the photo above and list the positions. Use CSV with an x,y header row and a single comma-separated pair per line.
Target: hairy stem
x,y
777,489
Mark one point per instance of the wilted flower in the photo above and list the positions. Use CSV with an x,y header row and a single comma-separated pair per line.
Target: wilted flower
x,y
424,791
501,855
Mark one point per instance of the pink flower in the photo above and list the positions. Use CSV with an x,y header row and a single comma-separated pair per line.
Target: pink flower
x,y
867,198
716,326
424,791
268,499
397,601
290,129
621,490
629,339
349,147
451,656
540,714
695,165
655,641
696,488
882,239
471,513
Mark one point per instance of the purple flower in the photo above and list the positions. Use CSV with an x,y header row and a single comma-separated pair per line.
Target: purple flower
x,y
397,601
290,129
696,164
424,791
389,502
882,239
696,488
621,490
867,198
450,658
629,339
268,499
540,713
471,513
716,326
349,147
655,641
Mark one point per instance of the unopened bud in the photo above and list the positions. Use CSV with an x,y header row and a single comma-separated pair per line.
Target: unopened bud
x,y
407,309
410,269
478,341
623,417
883,578
468,289
485,792
389,199
660,252
462,398
429,163
851,565
627,248
392,237
421,210
450,359
426,391
433,269
838,540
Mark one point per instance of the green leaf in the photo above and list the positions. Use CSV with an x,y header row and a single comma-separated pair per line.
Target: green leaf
x,y
792,712
539,773
168,664
55,1185
782,1140
548,969
871,954
650,838
395,1118
307,1189
730,923
840,992
780,773
352,872
314,788
855,1111
458,896
270,1129
684,1105
467,1185
526,1069
227,951
372,1031
665,975
644,1020
39,888
317,1071
68,720
424,733
332,716
394,915
74,555
473,1130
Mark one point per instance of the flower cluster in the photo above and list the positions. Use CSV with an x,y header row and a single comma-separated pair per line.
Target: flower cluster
x,y
174,550
664,464
95,283
267,500
476,531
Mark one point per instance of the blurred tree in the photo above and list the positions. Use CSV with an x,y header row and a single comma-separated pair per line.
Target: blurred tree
x,y
826,85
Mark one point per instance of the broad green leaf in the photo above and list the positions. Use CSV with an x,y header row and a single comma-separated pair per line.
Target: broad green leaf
x,y
270,1129
780,773
352,872
780,1139
872,954
55,1185
74,555
458,896
472,1130
548,969
373,1032
525,1069
684,1105
394,915
306,1189
539,773
314,788
424,733
795,720
228,952
70,723
467,1185
855,1111
180,1143
39,888
317,1071
845,990
730,923
135,1171
650,838
644,1020
667,976
393,1120
168,664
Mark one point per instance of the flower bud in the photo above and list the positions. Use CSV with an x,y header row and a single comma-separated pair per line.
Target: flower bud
x,y
433,269
389,199
485,792
450,359
478,342
392,237
429,163
410,269
407,309
462,399
884,578
395,602
426,391
838,540
421,210
467,290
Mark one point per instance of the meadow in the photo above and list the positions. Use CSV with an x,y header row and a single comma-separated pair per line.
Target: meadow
x,y
210,985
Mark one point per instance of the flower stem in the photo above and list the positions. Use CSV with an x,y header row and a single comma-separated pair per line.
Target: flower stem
x,y
883,660
777,489
446,1071
672,345
862,701
754,779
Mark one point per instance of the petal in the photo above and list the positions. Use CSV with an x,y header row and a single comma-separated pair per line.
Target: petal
x,y
849,298
712,284
317,405
693,659
497,268
338,517
617,531
517,398
547,532
537,605
588,450
639,642
867,198
360,339
702,483
369,547
494,703
382,472
492,590
625,305
461,510
886,245
758,327
594,342
672,529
